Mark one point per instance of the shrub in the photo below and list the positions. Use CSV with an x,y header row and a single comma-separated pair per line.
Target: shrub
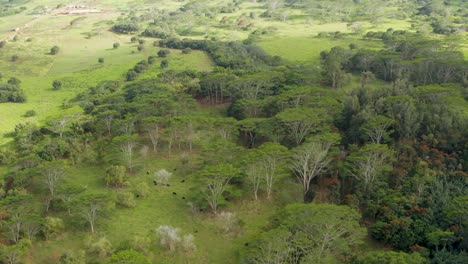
x,y
102,248
101,60
3,43
30,113
14,81
131,75
163,53
52,227
14,57
188,243
57,85
164,64
151,59
128,257
72,258
169,237
141,41
54,50
115,175
162,176
142,189
116,45
126,199
186,51
141,243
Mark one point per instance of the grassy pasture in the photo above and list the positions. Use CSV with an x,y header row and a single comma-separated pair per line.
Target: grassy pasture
x,y
161,207
306,49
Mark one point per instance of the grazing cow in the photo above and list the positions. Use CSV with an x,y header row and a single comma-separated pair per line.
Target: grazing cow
x,y
183,197
174,193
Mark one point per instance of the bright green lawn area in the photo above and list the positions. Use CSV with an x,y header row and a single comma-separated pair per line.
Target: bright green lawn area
x,y
307,49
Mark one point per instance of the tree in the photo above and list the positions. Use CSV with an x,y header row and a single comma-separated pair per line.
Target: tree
x,y
271,247
457,211
370,162
127,257
15,208
54,50
310,159
91,205
254,174
56,85
153,128
12,254
53,172
300,122
215,180
248,127
308,233
126,144
32,225
333,67
271,156
107,117
376,128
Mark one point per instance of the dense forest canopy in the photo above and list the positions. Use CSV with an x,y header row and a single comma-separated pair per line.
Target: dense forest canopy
x,y
274,131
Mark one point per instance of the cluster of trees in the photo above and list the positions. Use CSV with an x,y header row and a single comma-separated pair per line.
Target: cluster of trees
x,y
233,55
407,56
126,27
11,91
11,7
